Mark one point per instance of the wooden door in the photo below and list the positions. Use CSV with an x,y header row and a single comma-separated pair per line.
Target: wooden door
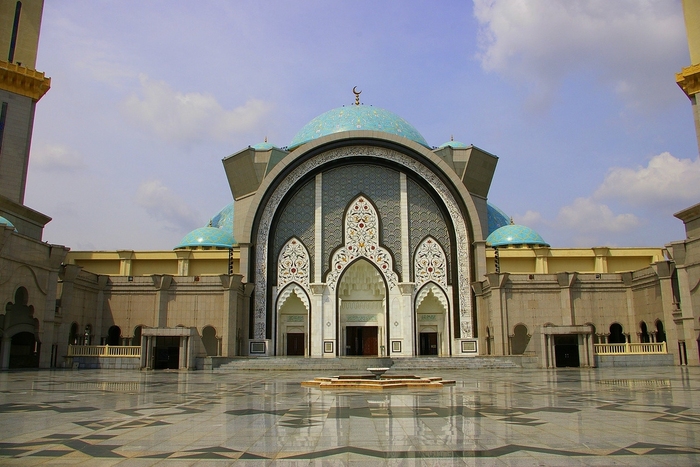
x,y
295,343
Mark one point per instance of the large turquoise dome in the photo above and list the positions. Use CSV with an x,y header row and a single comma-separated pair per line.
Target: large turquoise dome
x,y
207,237
496,218
515,235
218,234
223,219
6,222
356,117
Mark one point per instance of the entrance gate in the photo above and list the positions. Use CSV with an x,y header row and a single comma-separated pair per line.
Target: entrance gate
x,y
428,343
361,340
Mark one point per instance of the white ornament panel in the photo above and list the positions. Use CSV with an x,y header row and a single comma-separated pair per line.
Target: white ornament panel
x,y
430,264
293,264
280,191
361,241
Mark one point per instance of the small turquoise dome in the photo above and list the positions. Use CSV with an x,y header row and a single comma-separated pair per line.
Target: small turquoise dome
x,y
264,146
223,219
6,222
512,235
207,236
453,144
496,218
356,117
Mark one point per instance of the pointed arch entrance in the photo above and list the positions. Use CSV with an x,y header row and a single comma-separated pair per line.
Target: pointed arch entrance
x,y
293,321
362,310
432,321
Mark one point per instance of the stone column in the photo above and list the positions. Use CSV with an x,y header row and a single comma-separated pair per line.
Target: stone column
x,y
601,259
565,281
162,284
232,286
125,257
183,262
499,312
5,352
541,255
674,333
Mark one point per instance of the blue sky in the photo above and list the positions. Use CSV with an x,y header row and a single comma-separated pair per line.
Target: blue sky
x,y
578,99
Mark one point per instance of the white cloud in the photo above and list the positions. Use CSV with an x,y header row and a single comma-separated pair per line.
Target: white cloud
x,y
666,180
56,157
530,219
628,44
160,202
586,215
178,116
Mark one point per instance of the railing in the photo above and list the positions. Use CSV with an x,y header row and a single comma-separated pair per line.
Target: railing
x,y
628,348
104,351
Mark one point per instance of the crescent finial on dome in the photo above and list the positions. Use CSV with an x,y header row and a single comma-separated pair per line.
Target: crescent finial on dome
x,y
357,95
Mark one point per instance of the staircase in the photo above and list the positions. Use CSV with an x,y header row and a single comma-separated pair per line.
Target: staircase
x,y
301,363
408,365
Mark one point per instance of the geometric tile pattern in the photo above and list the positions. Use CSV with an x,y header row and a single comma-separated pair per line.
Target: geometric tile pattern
x,y
647,416
425,218
356,117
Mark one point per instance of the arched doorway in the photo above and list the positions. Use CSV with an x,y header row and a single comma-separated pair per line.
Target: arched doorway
x,y
137,335
113,335
24,351
431,321
616,335
211,343
293,322
19,347
660,333
362,310
520,339
643,333
73,335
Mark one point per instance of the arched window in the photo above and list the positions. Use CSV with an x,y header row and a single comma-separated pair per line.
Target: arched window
x,y
644,332
73,336
660,333
137,336
616,335
113,335
211,343
520,339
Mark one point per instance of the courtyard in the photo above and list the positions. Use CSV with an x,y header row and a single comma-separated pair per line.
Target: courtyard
x,y
569,417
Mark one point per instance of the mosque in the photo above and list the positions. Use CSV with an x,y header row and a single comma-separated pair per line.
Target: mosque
x,y
357,238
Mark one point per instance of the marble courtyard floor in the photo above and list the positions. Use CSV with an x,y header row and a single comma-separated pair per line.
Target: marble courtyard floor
x,y
568,417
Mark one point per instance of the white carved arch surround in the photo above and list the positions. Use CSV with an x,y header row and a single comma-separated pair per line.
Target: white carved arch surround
x,y
430,263
361,240
288,291
293,264
463,241
437,292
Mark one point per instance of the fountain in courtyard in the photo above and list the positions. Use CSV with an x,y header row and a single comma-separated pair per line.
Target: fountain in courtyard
x,y
377,380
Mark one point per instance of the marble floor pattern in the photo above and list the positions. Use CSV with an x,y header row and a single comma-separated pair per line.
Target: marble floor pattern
x,y
567,417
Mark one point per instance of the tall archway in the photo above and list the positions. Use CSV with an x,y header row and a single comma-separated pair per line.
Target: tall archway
x,y
616,335
520,339
362,310
660,333
211,343
137,335
432,321
643,332
73,335
113,335
24,352
293,322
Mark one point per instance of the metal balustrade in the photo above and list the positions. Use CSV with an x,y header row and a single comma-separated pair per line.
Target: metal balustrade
x,y
631,348
104,351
